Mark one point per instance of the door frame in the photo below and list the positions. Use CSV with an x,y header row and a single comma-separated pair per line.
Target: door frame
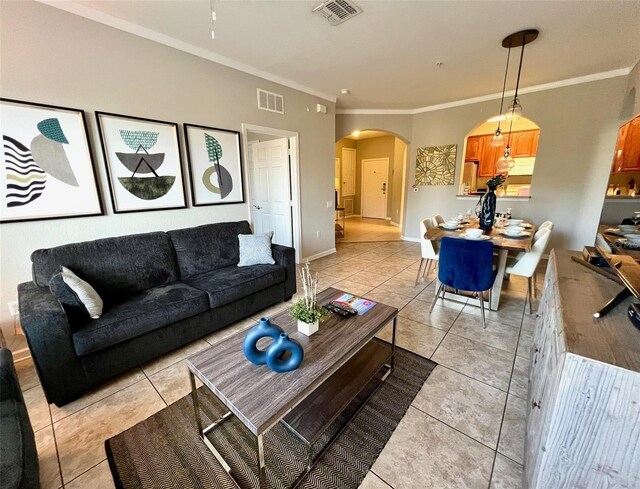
x,y
294,176
386,194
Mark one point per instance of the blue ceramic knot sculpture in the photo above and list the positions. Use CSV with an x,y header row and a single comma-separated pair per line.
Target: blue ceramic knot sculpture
x,y
264,329
276,353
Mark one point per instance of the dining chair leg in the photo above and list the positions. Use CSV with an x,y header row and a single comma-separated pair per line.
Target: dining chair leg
x,y
484,324
534,281
422,260
529,295
427,269
440,288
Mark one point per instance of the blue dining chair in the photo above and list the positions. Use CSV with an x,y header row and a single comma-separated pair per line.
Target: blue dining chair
x,y
466,265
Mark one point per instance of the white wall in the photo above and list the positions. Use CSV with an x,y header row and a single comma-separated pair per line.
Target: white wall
x,y
53,57
578,128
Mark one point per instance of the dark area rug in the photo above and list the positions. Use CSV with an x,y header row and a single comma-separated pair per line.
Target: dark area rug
x,y
164,450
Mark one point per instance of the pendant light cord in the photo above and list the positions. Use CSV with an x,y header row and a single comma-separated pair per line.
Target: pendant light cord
x,y
520,67
504,83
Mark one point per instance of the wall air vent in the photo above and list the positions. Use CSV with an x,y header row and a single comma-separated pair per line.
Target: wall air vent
x,y
337,11
270,101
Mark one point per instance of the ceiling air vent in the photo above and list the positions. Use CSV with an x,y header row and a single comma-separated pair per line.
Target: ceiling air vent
x,y
337,11
270,101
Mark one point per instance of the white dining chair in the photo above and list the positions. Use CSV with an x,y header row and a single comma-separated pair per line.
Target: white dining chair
x,y
437,219
430,249
600,241
526,264
546,224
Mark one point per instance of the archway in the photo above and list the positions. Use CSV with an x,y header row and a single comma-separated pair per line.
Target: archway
x,y
370,178
481,157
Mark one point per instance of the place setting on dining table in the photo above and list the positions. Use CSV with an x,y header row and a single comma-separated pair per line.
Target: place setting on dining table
x,y
506,234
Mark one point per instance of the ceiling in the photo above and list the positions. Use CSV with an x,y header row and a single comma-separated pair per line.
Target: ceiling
x,y
387,56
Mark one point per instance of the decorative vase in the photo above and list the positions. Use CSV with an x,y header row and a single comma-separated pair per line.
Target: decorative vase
x,y
308,328
276,352
488,213
264,329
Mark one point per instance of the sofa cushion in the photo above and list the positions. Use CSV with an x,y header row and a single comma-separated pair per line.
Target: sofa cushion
x,y
75,294
147,311
204,248
11,447
255,249
115,267
229,284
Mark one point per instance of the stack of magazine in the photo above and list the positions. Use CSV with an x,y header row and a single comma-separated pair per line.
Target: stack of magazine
x,y
360,304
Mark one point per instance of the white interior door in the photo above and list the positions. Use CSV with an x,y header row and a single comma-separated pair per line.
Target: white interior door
x,y
374,187
271,190
348,171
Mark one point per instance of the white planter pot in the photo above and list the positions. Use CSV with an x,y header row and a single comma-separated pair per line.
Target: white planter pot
x,y
308,328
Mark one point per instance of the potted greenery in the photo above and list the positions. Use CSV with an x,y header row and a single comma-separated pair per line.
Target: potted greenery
x,y
306,310
488,212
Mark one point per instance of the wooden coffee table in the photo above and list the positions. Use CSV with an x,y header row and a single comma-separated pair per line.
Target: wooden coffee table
x,y
340,362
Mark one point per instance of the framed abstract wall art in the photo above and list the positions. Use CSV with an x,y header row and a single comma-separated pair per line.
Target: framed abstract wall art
x,y
215,165
143,162
436,165
47,165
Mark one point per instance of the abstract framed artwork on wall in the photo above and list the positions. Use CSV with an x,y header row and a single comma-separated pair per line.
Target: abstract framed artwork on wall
x,y
143,162
436,165
47,165
215,165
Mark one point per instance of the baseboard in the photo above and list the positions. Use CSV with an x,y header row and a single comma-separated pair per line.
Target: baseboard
x,y
394,224
387,219
349,216
319,255
406,238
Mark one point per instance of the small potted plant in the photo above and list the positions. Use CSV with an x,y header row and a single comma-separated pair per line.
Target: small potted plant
x,y
306,310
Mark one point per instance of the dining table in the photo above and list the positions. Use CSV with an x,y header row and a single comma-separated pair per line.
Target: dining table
x,y
501,243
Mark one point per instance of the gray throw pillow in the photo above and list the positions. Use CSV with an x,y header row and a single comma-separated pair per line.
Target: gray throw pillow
x,y
255,249
76,294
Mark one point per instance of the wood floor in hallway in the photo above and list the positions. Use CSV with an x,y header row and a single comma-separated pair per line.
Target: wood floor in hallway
x,y
361,229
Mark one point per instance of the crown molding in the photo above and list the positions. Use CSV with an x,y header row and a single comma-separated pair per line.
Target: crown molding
x,y
494,96
138,30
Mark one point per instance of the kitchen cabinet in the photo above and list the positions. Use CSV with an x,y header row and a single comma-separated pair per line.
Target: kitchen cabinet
x,y
474,150
490,154
626,157
522,144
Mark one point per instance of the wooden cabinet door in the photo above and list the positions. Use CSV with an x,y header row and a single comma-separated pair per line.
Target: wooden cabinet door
x,y
522,144
473,148
631,151
536,138
618,155
490,154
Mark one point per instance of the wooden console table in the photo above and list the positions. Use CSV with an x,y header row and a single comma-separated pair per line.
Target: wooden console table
x,y
584,385
340,230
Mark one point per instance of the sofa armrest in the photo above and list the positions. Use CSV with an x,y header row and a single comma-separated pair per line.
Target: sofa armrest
x,y
9,387
48,333
286,257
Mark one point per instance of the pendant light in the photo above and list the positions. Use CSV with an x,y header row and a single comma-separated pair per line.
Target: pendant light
x,y
506,163
521,38
498,139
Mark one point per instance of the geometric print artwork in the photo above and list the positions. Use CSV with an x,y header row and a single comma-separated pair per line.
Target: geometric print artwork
x,y
143,161
215,165
47,171
435,165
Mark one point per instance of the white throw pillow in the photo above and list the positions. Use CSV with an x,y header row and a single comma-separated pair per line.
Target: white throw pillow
x,y
87,294
255,249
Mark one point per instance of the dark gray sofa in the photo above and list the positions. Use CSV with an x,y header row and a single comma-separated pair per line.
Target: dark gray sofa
x,y
161,291
18,455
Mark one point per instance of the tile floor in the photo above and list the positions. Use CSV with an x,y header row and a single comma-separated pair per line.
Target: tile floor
x,y
361,229
465,428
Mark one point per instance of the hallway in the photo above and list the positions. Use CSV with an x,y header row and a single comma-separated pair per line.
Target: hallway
x,y
359,230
